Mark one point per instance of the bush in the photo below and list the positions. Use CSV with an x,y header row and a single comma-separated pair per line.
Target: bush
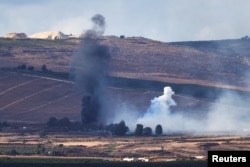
x,y
22,67
52,122
40,149
42,133
13,152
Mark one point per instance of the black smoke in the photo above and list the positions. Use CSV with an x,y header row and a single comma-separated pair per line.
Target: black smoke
x,y
90,68
98,26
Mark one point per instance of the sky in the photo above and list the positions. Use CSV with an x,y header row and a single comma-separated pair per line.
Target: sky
x,y
163,20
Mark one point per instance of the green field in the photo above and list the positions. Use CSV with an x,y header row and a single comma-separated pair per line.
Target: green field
x,y
64,162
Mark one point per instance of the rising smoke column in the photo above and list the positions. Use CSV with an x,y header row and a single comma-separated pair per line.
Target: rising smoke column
x,y
99,26
90,66
159,109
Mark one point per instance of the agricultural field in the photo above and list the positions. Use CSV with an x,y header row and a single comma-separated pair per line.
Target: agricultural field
x,y
33,98
107,147
28,99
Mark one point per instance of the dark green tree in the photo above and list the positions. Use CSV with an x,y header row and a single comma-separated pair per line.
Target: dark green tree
x,y
31,68
52,122
139,130
158,129
147,131
13,152
40,149
118,129
42,133
64,122
44,68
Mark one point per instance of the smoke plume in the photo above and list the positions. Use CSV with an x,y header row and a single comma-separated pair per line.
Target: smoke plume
x,y
98,27
230,114
90,66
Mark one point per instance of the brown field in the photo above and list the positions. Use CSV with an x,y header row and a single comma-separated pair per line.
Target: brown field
x,y
159,148
31,100
223,63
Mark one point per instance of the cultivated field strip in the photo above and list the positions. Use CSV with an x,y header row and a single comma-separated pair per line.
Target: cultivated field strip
x,y
33,98
36,110
13,81
24,97
24,92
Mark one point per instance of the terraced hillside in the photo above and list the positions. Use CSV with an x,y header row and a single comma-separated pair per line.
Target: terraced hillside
x,y
33,98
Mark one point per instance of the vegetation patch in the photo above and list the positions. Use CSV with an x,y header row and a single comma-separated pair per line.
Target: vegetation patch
x,y
54,162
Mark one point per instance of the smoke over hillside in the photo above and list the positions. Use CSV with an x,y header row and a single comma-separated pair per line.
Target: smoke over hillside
x,y
98,26
90,66
230,113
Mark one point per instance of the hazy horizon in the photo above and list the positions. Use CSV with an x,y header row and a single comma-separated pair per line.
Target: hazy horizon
x,y
164,20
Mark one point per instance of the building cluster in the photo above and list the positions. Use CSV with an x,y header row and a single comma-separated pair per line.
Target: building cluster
x,y
52,35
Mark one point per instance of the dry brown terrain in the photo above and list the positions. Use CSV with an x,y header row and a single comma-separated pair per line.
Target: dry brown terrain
x,y
31,98
28,97
159,148
34,99
222,63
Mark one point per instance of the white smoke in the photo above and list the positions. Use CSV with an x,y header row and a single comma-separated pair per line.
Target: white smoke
x,y
230,113
159,108
159,112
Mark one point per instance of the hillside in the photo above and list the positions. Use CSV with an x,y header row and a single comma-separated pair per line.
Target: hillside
x,y
191,68
215,63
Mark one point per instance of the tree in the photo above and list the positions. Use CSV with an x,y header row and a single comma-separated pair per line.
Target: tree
x,y
147,131
40,149
119,129
139,130
52,122
44,68
22,67
42,133
60,146
64,122
158,129
31,68
13,152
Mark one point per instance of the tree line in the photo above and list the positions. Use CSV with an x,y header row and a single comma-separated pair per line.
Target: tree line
x,y
118,129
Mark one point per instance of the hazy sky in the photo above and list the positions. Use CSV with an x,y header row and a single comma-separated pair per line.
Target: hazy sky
x,y
164,20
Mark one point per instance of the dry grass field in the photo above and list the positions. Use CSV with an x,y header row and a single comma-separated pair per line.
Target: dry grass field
x,y
161,148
